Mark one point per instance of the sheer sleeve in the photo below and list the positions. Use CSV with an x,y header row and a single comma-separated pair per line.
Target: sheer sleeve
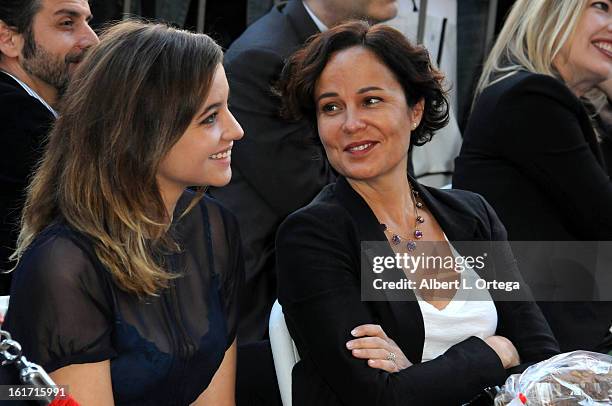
x,y
229,263
60,308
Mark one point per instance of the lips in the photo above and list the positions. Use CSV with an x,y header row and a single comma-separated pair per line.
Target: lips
x,y
222,154
360,146
604,46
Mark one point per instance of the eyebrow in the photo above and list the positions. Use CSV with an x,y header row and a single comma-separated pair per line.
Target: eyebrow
x,y
360,91
72,13
209,108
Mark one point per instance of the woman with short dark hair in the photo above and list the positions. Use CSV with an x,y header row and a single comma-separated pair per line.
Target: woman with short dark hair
x,y
371,94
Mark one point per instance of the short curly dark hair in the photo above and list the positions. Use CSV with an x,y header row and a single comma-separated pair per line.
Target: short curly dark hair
x,y
409,63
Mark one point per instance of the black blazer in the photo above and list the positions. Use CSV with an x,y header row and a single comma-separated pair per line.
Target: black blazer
x,y
318,260
24,123
530,150
277,167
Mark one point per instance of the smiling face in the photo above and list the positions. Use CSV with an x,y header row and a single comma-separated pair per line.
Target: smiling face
x,y
202,155
586,58
59,37
363,117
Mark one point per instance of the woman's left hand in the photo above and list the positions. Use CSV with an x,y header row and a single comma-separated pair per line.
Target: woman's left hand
x,y
380,351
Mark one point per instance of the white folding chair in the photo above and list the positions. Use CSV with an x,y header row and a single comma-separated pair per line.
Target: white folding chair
x,y
284,352
4,304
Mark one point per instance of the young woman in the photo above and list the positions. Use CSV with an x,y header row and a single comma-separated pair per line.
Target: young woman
x,y
127,284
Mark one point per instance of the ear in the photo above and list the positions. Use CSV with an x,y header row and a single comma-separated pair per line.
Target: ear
x,y
417,112
11,42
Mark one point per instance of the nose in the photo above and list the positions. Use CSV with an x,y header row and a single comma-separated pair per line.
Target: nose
x,y
353,122
233,131
88,37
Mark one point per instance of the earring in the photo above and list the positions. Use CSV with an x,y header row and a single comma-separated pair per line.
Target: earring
x,y
414,126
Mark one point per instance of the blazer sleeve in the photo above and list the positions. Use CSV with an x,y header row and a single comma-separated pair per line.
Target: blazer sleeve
x,y
277,158
520,321
546,139
25,123
319,290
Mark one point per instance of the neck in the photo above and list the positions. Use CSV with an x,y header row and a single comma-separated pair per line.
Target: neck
x,y
170,196
578,85
47,92
389,198
323,12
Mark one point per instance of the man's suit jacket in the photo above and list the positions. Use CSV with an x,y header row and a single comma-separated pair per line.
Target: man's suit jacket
x,y
318,254
530,150
277,166
24,124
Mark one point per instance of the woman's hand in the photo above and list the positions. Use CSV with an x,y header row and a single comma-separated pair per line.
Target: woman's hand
x,y
506,351
380,351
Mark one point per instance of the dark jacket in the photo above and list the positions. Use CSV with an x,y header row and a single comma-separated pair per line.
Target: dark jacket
x,y
319,253
277,168
24,123
530,150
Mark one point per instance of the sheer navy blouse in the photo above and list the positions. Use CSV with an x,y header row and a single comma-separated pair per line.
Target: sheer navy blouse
x,y
164,350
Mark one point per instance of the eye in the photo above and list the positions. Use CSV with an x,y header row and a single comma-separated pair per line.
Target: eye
x,y
66,23
211,119
602,5
330,108
371,101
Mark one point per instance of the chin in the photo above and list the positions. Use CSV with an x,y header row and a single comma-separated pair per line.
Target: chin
x,y
219,181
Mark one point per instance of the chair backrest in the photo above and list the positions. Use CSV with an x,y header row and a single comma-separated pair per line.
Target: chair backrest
x,y
284,352
4,304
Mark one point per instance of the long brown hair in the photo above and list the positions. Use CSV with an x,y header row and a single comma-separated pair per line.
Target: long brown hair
x,y
131,99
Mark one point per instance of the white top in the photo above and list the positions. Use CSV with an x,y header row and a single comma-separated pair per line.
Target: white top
x,y
322,27
469,313
32,93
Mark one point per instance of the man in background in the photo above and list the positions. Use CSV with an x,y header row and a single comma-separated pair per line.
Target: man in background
x,y
41,44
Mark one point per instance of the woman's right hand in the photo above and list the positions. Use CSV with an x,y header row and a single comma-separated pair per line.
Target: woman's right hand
x,y
505,350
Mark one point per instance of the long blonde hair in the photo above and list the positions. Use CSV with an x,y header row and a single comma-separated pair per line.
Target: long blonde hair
x,y
130,101
532,36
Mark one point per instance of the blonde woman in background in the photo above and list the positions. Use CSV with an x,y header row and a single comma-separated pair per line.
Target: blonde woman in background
x,y
127,285
531,151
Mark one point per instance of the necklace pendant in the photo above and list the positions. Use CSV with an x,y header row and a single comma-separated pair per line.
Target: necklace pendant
x,y
411,245
396,240
418,234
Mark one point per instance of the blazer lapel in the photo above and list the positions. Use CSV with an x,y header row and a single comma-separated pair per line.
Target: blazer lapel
x,y
300,20
407,313
457,225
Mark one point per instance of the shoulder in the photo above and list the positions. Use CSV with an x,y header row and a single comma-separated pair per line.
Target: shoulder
x,y
526,88
269,39
58,257
323,207
325,215
18,107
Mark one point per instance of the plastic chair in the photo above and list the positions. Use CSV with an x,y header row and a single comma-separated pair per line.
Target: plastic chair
x,y
284,352
4,304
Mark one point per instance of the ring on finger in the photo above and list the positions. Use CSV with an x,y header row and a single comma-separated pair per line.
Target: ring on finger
x,y
391,357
